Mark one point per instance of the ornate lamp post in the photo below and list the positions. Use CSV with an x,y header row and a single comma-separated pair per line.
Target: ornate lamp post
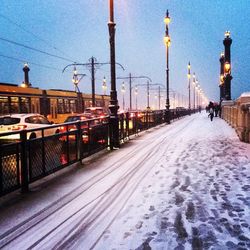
x,y
222,85
189,76
167,43
76,80
104,85
197,86
194,84
136,93
123,92
227,66
26,83
114,134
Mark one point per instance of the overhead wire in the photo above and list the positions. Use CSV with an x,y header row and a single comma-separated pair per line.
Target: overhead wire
x,y
33,34
37,64
34,49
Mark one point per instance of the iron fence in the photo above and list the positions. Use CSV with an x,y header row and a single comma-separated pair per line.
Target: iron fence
x,y
26,160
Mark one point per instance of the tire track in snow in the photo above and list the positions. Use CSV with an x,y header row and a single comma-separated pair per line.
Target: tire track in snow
x,y
33,221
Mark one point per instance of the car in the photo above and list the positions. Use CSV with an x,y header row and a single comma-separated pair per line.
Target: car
x,y
96,112
18,122
89,124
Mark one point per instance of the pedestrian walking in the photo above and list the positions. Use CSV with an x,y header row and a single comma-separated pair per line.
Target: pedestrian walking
x,y
211,110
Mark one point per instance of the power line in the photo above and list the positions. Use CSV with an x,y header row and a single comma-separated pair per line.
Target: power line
x,y
34,49
37,64
31,33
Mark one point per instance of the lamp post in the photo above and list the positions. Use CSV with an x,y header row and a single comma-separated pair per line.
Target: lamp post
x,y
197,89
26,82
130,78
104,85
227,66
167,43
114,133
222,85
123,92
136,93
189,76
194,83
76,80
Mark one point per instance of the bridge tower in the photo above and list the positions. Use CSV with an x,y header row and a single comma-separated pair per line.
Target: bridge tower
x,y
227,66
222,84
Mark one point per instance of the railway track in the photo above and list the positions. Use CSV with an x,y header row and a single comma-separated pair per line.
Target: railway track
x,y
75,216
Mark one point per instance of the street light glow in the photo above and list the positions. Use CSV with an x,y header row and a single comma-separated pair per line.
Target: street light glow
x,y
167,20
167,41
227,34
227,67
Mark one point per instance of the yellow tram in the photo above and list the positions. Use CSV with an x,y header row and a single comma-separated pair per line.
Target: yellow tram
x,y
55,104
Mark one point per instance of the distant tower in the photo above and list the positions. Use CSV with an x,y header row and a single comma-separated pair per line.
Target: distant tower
x,y
26,70
227,66
222,85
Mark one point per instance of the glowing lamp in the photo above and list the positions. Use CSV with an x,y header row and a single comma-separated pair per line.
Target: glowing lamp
x,y
227,34
167,40
167,20
227,67
221,79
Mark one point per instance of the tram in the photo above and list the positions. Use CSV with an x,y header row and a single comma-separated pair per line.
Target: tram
x,y
55,104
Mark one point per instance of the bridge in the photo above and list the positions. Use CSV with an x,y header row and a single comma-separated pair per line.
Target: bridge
x,y
182,185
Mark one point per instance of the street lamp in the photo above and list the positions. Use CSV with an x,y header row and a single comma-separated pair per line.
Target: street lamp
x,y
136,93
189,76
196,89
104,85
76,80
114,133
26,83
227,66
194,83
123,92
167,44
222,85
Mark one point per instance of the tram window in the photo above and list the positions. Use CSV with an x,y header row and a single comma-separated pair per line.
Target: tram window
x,y
73,106
14,105
66,105
98,103
4,105
87,103
24,105
60,106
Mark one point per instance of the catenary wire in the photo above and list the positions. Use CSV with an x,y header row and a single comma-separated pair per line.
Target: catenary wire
x,y
31,33
37,64
34,49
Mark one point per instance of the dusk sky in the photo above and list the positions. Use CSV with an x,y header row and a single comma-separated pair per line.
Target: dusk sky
x,y
77,30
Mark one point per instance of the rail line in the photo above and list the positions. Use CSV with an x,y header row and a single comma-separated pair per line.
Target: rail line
x,y
104,201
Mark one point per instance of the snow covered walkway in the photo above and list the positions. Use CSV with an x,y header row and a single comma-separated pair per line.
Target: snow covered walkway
x,y
180,186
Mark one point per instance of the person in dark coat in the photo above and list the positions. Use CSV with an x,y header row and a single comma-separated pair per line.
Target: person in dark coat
x,y
216,109
211,110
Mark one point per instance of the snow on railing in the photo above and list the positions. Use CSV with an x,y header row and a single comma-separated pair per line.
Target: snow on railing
x,y
237,114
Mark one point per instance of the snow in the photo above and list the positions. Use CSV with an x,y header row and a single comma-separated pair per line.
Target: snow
x,y
180,186
245,94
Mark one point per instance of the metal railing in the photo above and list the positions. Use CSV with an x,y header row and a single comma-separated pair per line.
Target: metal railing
x,y
26,160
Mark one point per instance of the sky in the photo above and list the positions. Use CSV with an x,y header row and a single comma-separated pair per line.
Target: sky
x,y
77,30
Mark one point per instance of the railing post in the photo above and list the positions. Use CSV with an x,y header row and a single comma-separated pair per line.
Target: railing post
x,y
79,141
135,123
127,125
24,162
122,126
1,171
